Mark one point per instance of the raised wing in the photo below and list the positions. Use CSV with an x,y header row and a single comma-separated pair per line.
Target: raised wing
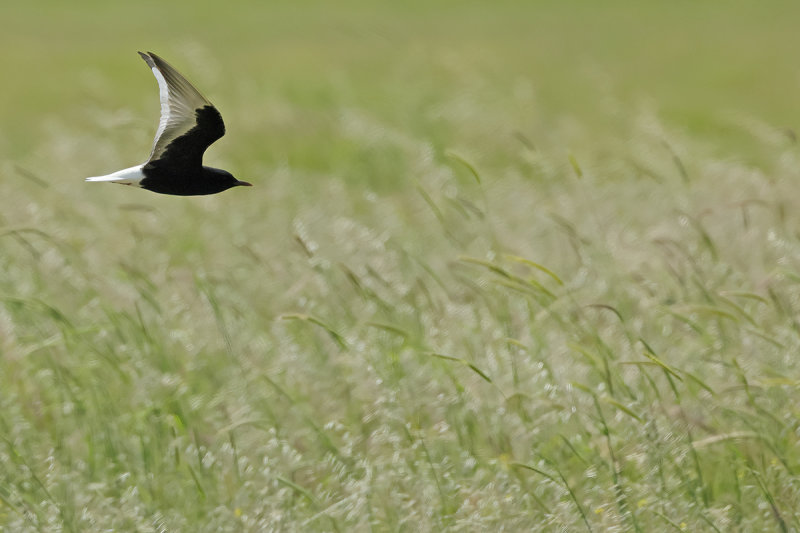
x,y
189,122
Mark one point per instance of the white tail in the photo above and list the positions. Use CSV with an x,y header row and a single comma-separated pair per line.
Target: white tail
x,y
127,176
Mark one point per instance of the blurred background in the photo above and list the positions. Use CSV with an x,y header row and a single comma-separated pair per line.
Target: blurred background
x,y
696,64
521,266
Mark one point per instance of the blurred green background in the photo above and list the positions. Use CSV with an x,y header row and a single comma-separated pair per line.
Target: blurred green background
x,y
694,62
521,266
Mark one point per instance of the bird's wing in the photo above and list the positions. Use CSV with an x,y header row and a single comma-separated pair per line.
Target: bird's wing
x,y
189,122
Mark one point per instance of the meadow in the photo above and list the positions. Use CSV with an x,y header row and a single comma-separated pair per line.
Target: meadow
x,y
506,266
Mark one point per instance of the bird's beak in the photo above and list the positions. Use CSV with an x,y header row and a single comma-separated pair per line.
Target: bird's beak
x,y
244,183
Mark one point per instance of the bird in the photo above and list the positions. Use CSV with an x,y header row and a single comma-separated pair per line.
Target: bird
x,y
188,125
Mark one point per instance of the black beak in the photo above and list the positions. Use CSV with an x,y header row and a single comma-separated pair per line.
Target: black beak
x,y
244,183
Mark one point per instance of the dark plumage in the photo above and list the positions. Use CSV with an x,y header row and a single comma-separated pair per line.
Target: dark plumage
x,y
189,124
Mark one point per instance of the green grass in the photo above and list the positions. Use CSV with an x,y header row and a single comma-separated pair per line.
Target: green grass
x,y
506,266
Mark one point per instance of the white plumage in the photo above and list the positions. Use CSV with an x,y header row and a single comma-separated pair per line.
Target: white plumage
x,y
126,176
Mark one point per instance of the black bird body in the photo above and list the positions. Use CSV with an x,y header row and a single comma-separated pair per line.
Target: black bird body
x,y
189,124
186,181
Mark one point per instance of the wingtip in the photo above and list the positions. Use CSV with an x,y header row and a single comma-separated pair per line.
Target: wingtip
x,y
149,57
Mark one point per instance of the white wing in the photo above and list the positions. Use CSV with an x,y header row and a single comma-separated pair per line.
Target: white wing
x,y
180,102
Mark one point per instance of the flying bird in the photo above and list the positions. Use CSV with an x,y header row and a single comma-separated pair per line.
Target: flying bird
x,y
189,124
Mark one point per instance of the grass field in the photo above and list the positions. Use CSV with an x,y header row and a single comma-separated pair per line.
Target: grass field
x,y
507,266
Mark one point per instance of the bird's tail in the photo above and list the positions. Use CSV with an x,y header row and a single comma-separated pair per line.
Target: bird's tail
x,y
127,176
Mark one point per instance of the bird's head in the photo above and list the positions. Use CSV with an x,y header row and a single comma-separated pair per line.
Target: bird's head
x,y
225,179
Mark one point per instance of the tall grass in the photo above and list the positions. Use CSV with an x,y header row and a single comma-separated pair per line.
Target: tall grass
x,y
444,306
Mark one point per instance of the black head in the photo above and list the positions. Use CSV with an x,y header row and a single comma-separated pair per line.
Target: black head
x,y
217,180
